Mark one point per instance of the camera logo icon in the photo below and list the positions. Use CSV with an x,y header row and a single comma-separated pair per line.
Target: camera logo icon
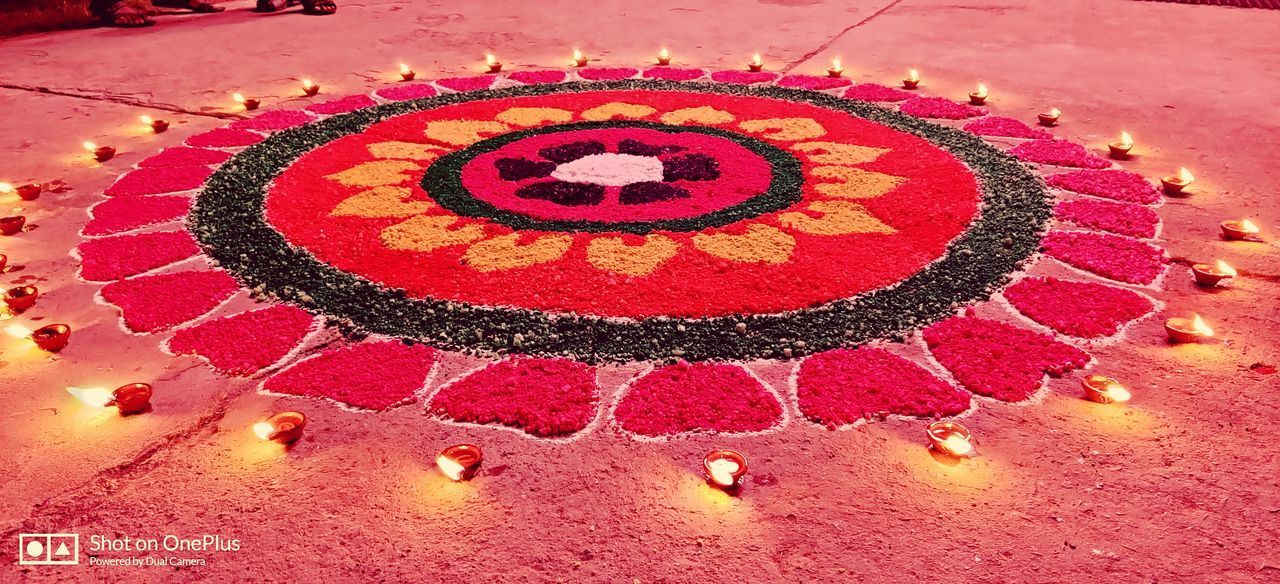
x,y
56,549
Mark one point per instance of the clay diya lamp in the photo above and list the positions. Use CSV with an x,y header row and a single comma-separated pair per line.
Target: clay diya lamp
x,y
1239,230
950,438
1176,184
1050,118
284,427
157,126
12,225
664,57
1187,330
30,192
579,59
134,398
52,338
460,462
725,468
1104,390
835,70
979,97
309,88
249,104
1210,275
755,65
100,153
495,66
1120,150
407,74
912,80
20,298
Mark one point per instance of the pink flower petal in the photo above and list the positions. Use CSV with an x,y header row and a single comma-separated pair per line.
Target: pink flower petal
x,y
1001,126
1110,184
349,103
999,360
1122,218
467,83
535,77
120,214
375,375
844,386
607,73
273,120
165,179
744,77
940,108
876,92
697,397
673,73
225,138
1058,153
542,397
185,156
245,343
153,303
121,256
1110,256
404,92
813,82
1079,309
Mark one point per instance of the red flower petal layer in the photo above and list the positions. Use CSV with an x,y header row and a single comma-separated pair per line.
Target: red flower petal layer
x,y
535,77
542,397
225,138
744,77
1079,309
607,73
697,397
375,375
273,120
876,92
673,73
1001,126
1058,153
245,343
185,156
813,82
349,103
119,214
1110,184
166,179
153,303
999,360
403,92
940,108
467,83
847,385
1111,256
113,258
1122,218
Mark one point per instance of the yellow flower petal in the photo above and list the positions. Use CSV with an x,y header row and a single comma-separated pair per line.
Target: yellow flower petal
x,y
697,115
406,151
532,116
381,202
760,244
836,218
463,132
617,109
787,129
854,183
375,173
837,153
428,233
612,254
505,252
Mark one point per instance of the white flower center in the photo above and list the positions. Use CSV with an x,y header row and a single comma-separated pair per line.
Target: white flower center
x,y
610,170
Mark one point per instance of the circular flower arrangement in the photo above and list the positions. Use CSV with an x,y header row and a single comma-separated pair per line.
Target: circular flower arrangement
x,y
517,251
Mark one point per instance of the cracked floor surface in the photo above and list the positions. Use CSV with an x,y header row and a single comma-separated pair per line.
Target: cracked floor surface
x,y
1181,486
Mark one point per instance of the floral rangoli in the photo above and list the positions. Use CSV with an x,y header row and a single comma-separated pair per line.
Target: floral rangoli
x,y
655,253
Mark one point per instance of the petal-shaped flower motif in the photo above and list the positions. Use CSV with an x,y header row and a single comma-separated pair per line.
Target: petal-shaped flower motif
x,y
704,115
381,202
158,180
834,218
743,77
1058,153
642,193
564,193
616,109
376,375
121,256
1001,126
376,173
1120,185
1079,309
607,73
940,108
536,77
245,343
1110,256
813,82
120,214
999,360
613,254
673,73
463,132
523,168
837,153
876,92
426,233
697,397
690,167
349,103
541,397
759,244
507,251
467,83
406,92
785,129
225,138
1122,218
562,153
274,120
854,183
846,385
155,303
533,116
186,156
406,151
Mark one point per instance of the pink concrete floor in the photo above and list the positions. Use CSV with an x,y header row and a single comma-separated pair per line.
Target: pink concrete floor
x,y
1183,485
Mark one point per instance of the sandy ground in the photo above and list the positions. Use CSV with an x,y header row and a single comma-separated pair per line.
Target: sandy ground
x,y
1181,486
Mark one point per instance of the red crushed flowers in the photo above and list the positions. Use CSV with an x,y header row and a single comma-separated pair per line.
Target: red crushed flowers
x,y
1058,153
999,360
375,375
1122,218
1079,309
543,397
697,397
846,385
245,343
1111,256
1109,184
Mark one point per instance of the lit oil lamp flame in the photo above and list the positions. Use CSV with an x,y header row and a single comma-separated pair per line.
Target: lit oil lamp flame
x,y
664,55
18,331
1225,268
460,462
146,120
1200,327
404,69
956,445
94,397
307,84
237,97
722,471
5,188
950,438
1185,175
835,64
982,90
450,467
490,60
577,55
755,60
1054,112
1247,226
1126,140
263,430
913,75
90,146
